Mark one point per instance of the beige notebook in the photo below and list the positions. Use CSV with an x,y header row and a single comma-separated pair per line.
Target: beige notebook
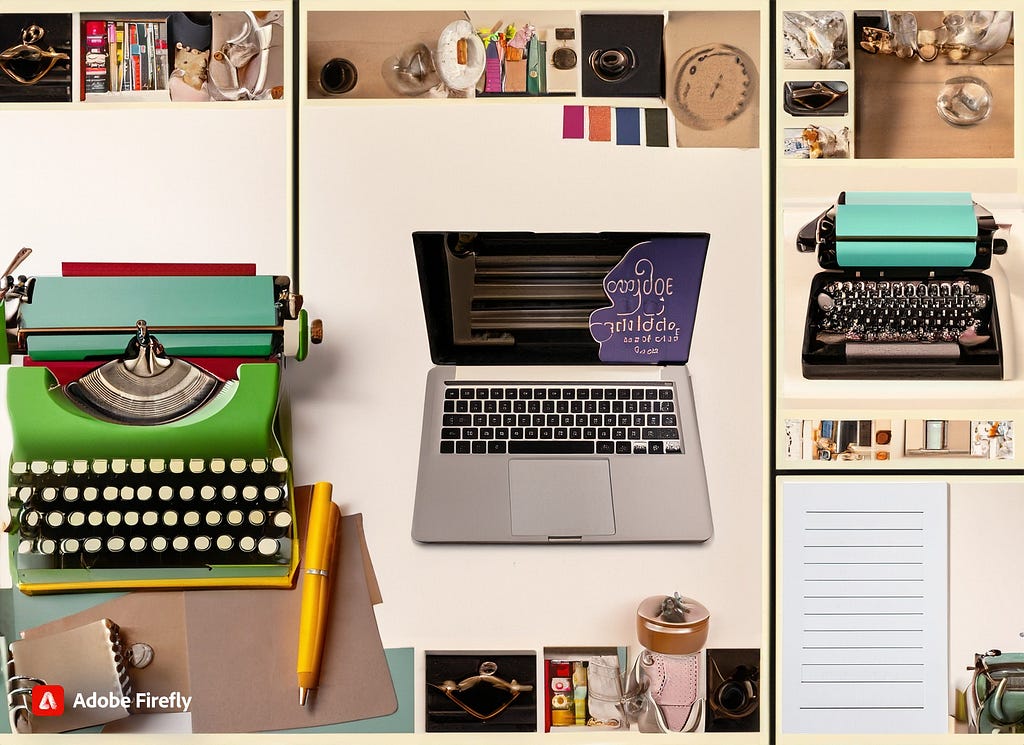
x,y
86,661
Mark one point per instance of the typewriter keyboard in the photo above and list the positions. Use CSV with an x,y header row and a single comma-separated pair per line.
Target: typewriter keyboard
x,y
903,311
149,513
572,419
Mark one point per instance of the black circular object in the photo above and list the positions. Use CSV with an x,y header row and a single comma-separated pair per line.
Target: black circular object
x,y
563,58
338,76
613,65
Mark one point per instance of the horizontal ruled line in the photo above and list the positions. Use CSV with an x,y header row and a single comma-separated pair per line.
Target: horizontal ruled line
x,y
863,708
863,664
869,613
873,682
866,545
864,597
867,647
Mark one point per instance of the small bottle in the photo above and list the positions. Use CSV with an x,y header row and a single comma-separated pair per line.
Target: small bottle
x,y
579,691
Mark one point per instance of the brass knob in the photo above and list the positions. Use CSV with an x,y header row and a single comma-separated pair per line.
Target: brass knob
x,y
316,331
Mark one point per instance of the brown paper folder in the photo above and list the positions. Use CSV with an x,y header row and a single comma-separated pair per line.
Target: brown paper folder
x,y
234,651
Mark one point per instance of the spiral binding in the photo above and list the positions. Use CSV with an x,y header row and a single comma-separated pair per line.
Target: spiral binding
x,y
19,687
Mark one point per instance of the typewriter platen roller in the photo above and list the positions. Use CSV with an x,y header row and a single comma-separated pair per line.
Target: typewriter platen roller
x,y
146,448
904,294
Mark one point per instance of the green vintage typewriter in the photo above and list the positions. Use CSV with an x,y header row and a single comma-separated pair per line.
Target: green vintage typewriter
x,y
147,452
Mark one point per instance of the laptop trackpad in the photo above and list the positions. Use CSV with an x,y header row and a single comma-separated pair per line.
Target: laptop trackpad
x,y
561,497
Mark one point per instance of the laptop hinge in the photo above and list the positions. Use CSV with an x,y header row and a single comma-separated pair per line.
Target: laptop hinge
x,y
565,539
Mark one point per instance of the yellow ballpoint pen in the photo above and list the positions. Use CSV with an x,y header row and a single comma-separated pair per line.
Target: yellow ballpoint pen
x,y
321,535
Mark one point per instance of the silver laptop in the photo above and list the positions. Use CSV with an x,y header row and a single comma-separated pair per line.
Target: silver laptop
x,y
528,437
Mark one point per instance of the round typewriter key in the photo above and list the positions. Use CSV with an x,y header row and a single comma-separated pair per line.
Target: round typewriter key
x,y
39,467
247,543
176,465
127,492
268,546
137,465
208,492
118,465
99,466
180,543
48,494
280,464
70,493
258,465
113,519
257,517
157,465
76,519
25,494
131,519
144,492
196,465
228,492
236,517
250,493
59,467
95,518
47,546
225,542
150,518
159,543
191,518
170,518
110,493
31,519
202,543
80,466
165,493
272,493
55,519
282,519
70,546
237,465
213,518
19,468
218,465
25,547
186,492
137,544
115,543
92,545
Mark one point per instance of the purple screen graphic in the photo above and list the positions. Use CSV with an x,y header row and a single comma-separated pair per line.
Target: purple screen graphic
x,y
654,291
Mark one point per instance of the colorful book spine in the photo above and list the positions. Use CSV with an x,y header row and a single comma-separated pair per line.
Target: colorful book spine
x,y
95,47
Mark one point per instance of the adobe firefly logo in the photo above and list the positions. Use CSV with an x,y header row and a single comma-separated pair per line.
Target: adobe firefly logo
x,y
47,701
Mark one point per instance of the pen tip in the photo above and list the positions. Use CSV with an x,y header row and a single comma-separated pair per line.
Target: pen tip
x,y
303,692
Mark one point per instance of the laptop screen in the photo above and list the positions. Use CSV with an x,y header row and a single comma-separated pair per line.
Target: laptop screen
x,y
504,298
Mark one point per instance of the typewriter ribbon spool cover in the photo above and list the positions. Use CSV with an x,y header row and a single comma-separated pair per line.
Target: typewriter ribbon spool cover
x,y
146,448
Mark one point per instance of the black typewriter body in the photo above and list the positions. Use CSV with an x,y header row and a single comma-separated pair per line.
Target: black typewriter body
x,y
901,321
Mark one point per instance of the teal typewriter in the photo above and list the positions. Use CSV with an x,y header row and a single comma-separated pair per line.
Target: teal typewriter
x,y
904,294
147,449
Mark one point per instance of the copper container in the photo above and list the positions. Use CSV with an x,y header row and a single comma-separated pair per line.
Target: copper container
x,y
667,637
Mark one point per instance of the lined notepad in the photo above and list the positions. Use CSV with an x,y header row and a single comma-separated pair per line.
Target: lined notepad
x,y
864,598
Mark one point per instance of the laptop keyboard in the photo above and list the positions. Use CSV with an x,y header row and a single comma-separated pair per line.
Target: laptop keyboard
x,y
560,419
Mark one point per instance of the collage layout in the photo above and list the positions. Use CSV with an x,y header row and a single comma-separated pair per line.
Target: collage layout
x,y
525,370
